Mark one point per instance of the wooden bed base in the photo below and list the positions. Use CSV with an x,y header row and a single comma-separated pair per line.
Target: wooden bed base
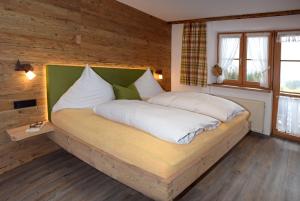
x,y
145,182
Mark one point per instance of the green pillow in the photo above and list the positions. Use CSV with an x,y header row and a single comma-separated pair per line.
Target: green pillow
x,y
129,93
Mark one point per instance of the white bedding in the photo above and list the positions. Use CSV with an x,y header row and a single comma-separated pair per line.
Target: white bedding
x,y
213,106
167,123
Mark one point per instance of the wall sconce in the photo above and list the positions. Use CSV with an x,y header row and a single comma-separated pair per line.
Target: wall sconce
x,y
159,74
27,68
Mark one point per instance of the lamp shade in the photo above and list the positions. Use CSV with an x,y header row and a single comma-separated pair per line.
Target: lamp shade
x,y
30,75
159,74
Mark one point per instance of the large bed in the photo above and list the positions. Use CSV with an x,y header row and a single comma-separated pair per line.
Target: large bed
x,y
156,168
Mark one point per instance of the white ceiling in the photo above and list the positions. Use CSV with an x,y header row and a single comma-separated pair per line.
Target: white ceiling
x,y
171,10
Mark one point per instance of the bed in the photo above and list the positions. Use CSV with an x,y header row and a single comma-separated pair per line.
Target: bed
x,y
156,168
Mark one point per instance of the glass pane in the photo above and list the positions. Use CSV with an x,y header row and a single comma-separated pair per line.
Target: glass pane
x,y
288,116
230,48
289,77
290,51
253,74
229,53
257,57
237,52
232,71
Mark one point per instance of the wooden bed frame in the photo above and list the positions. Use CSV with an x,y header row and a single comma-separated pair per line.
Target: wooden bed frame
x,y
60,78
143,181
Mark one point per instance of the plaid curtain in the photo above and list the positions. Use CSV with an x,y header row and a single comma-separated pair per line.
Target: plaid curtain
x,y
193,57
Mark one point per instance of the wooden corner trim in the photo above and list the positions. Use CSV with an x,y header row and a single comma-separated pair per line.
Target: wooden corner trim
x,y
244,16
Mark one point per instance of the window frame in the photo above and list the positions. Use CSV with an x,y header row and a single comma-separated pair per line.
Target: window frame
x,y
278,61
276,87
238,81
242,81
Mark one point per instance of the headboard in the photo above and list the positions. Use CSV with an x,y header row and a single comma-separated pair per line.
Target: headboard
x,y
60,78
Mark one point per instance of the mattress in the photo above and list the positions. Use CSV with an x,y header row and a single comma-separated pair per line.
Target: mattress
x,y
140,149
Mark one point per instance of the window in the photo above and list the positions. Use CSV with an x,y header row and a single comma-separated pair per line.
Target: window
x,y
286,101
245,58
289,63
229,60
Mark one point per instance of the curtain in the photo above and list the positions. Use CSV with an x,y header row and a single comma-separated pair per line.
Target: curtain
x,y
291,36
257,51
288,116
229,49
193,57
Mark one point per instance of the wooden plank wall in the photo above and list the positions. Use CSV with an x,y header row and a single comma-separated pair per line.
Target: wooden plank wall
x,y
44,32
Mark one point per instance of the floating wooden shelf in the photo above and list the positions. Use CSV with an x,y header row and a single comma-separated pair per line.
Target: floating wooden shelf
x,y
20,133
240,88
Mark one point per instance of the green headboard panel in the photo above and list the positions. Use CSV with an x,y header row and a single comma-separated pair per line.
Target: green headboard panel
x,y
60,78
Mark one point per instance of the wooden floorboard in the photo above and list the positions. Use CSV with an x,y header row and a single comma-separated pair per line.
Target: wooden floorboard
x,y
258,168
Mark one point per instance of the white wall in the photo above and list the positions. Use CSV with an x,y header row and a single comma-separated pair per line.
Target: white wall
x,y
270,23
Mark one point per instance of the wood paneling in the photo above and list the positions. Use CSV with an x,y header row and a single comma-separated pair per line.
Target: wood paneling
x,y
44,32
14,154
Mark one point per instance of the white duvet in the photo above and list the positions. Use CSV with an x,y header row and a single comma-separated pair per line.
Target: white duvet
x,y
167,123
213,106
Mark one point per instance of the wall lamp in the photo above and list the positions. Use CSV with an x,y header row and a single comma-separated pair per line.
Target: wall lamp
x,y
27,68
159,74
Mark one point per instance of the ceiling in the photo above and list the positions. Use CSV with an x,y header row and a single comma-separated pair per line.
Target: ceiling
x,y
172,10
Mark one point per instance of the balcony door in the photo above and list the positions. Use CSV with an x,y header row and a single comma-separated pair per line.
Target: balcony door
x,y
286,100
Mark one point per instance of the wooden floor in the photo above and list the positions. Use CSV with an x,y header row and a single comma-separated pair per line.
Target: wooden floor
x,y
258,168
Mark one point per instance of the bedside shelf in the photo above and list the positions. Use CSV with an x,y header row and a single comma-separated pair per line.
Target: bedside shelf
x,y
19,133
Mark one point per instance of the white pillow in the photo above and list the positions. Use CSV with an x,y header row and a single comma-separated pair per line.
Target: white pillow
x,y
88,91
147,86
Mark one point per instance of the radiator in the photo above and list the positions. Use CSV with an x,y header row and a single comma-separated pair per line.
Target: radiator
x,y
257,112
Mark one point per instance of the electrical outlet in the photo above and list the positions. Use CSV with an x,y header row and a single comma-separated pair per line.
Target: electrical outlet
x,y
24,103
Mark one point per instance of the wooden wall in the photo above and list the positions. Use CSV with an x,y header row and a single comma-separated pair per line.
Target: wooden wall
x,y
44,32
